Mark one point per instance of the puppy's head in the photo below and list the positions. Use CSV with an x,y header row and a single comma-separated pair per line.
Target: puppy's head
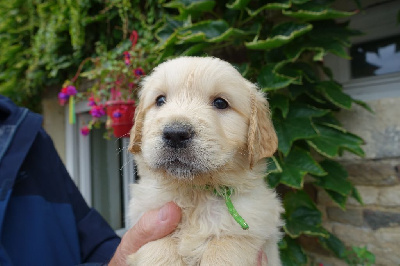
x,y
199,115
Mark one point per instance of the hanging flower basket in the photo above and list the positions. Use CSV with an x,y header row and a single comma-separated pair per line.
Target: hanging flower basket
x,y
121,114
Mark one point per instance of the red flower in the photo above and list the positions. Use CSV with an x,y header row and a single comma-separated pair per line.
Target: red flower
x,y
138,72
85,130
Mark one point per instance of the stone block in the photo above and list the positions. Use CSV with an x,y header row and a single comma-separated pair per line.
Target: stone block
x,y
380,130
349,216
368,194
373,172
353,235
381,219
389,196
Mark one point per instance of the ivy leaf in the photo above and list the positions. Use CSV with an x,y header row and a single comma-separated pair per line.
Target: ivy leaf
x,y
302,216
166,34
274,4
338,198
297,125
331,242
297,71
332,30
336,179
269,80
364,105
238,4
294,167
330,142
356,195
210,31
291,253
281,34
192,5
312,11
195,49
281,102
273,167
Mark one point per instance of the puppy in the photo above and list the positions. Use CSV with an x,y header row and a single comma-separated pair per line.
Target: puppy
x,y
200,135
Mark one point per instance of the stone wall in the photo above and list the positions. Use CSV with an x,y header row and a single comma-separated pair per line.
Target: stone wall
x,y
54,121
376,224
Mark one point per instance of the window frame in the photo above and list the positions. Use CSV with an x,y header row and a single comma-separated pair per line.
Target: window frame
x,y
377,22
78,160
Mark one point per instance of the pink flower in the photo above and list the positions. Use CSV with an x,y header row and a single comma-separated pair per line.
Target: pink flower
x,y
62,98
85,131
97,111
71,90
138,72
91,102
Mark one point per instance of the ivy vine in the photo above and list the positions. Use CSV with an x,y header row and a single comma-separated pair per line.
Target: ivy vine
x,y
42,43
280,44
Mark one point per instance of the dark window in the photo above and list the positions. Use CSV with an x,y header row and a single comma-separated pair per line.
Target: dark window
x,y
375,58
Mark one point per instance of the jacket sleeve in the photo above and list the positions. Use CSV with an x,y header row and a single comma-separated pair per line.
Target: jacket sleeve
x,y
97,239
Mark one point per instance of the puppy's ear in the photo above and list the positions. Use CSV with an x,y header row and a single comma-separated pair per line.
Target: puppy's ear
x,y
262,140
136,131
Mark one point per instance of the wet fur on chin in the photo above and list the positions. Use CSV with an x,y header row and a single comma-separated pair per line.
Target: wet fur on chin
x,y
184,145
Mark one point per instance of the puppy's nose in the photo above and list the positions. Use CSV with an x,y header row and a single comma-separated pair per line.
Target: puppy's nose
x,y
177,135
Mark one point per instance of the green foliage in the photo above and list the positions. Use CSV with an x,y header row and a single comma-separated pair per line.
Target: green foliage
x,y
280,45
43,42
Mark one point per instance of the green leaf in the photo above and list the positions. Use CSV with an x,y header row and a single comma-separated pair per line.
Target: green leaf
x,y
269,80
332,30
292,253
356,195
300,2
333,92
167,33
238,4
192,5
195,49
336,179
297,125
273,167
330,142
302,216
281,34
294,168
210,31
364,105
281,102
313,11
275,4
338,198
331,242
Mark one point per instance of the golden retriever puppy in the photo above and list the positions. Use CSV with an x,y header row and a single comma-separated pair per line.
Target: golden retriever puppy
x,y
200,137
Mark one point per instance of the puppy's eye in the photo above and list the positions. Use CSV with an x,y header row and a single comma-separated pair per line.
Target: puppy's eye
x,y
161,100
220,103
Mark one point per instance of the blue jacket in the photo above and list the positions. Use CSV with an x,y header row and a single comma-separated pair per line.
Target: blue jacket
x,y
43,218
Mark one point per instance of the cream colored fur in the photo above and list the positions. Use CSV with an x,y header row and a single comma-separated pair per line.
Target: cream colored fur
x,y
227,149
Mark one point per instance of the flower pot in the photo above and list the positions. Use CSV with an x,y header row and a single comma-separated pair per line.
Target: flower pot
x,y
121,114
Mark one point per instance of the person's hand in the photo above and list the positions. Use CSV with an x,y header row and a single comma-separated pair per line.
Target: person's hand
x,y
153,225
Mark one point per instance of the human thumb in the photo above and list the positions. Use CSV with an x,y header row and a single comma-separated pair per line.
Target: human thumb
x,y
153,225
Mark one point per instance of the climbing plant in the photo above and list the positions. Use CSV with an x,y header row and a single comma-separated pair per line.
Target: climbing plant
x,y
280,45
42,43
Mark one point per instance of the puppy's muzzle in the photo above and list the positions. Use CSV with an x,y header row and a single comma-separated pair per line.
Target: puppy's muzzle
x,y
177,135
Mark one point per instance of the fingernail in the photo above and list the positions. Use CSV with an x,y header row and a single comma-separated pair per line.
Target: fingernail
x,y
163,213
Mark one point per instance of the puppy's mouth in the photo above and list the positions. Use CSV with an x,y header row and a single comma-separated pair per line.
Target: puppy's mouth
x,y
180,163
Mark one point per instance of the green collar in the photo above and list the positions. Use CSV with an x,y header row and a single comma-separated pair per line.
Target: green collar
x,y
225,193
